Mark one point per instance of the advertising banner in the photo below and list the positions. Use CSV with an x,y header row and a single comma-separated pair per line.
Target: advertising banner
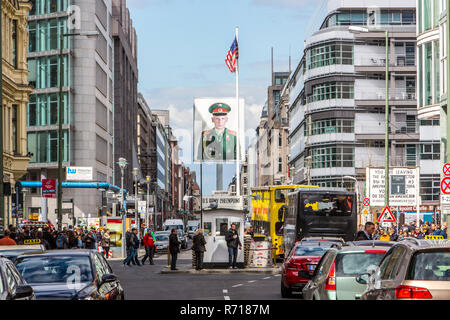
x,y
49,188
79,174
115,227
216,129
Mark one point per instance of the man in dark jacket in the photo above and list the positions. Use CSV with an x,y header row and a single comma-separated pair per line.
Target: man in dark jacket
x,y
233,242
136,244
130,248
89,241
367,233
174,248
198,245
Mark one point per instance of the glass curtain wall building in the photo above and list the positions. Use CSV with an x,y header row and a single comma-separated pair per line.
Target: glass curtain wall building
x,y
337,99
87,101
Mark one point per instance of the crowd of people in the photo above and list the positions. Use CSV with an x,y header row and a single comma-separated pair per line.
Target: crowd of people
x,y
372,231
68,238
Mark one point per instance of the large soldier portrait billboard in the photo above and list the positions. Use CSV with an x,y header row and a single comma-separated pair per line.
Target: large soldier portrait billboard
x,y
216,129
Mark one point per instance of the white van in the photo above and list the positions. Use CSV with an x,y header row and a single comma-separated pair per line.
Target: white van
x,y
191,227
170,224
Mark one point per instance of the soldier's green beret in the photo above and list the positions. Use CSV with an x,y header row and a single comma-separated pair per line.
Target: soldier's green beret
x,y
219,109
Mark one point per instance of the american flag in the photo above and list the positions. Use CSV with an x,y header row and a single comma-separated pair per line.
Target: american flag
x,y
232,56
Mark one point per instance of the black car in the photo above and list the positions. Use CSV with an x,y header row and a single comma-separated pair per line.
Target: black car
x,y
12,252
70,275
12,284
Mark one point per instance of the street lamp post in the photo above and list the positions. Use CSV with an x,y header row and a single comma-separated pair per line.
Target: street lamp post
x,y
147,220
136,215
60,107
122,165
357,30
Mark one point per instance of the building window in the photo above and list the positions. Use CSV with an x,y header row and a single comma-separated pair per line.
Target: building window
x,y
329,54
430,151
14,44
47,71
14,129
430,122
44,146
44,34
430,189
280,164
331,126
332,157
332,90
43,109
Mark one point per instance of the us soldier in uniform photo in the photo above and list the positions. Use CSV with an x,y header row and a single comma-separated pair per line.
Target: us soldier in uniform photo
x,y
219,143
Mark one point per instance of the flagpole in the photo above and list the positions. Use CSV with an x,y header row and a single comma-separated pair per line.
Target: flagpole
x,y
238,140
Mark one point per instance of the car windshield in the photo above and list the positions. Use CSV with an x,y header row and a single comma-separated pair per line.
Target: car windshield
x,y
327,204
352,264
55,269
162,238
311,250
430,265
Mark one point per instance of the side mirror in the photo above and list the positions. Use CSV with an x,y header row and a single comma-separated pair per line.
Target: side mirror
x,y
109,278
23,292
304,274
362,278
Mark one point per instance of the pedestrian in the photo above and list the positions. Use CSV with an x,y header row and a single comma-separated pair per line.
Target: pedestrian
x,y
129,246
233,242
444,230
62,242
174,248
384,236
392,235
6,240
89,241
131,239
417,234
198,245
367,233
136,245
250,232
106,242
149,244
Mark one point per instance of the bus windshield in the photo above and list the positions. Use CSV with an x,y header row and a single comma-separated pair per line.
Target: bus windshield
x,y
317,204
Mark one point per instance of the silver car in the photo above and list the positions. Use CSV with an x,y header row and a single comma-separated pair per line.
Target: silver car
x,y
162,241
335,276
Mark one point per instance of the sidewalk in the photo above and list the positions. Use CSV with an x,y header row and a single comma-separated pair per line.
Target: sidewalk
x,y
187,268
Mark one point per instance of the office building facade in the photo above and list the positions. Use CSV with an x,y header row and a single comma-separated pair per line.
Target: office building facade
x,y
337,99
87,101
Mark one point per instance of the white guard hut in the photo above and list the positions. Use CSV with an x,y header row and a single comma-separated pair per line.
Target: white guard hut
x,y
219,213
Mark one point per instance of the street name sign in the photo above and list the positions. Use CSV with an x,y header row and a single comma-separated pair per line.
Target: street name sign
x,y
404,186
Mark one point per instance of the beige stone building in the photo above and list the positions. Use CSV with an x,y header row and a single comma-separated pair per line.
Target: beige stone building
x,y
15,92
272,136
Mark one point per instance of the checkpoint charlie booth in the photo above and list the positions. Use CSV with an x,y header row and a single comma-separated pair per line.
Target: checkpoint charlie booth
x,y
219,213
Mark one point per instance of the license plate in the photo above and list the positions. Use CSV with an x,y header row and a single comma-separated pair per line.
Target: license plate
x,y
311,267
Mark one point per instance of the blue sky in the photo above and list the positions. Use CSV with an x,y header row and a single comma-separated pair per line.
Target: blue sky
x,y
181,51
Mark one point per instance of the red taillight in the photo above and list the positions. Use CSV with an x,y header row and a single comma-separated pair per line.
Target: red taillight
x,y
292,266
408,292
330,283
375,251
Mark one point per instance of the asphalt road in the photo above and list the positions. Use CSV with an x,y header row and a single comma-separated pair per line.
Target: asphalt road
x,y
147,283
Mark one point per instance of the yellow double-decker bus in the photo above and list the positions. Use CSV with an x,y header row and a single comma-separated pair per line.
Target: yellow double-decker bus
x,y
269,208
